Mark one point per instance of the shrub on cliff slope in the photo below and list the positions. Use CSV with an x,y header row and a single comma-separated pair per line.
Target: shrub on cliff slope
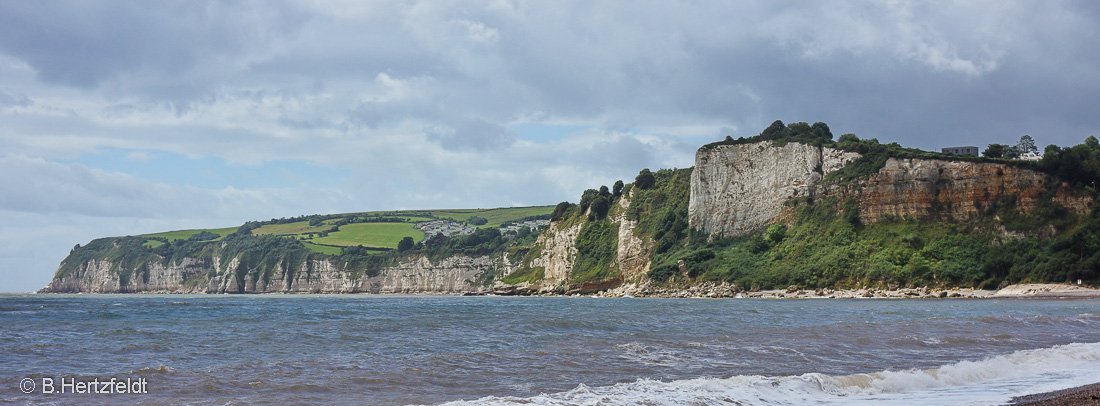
x,y
824,248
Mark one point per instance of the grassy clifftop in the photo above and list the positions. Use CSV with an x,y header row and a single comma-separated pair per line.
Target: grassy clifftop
x,y
363,243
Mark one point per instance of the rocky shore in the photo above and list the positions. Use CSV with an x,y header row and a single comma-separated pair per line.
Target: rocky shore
x,y
724,290
1088,395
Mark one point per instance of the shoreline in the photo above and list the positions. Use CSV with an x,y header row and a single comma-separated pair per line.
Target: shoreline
x,y
712,290
709,290
1088,395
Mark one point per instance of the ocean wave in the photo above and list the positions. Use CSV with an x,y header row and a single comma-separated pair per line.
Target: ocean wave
x,y
162,369
992,381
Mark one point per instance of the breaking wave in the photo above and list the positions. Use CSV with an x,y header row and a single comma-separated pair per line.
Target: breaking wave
x,y
992,381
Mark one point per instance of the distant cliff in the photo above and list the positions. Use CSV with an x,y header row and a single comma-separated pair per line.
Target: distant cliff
x,y
456,274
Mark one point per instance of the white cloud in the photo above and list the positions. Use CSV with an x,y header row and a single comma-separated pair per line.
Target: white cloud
x,y
40,186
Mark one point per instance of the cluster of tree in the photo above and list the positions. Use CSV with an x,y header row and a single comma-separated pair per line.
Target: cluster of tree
x,y
288,220
1026,145
1079,165
203,236
597,200
383,218
405,244
816,134
561,211
482,241
477,220
644,180
661,210
361,250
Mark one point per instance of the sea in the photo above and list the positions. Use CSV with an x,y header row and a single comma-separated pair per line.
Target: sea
x,y
453,350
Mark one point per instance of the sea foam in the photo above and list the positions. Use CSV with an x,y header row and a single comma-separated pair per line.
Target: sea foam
x,y
991,381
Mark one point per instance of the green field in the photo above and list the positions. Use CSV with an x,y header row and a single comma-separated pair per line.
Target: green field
x,y
495,216
379,235
301,227
185,234
383,235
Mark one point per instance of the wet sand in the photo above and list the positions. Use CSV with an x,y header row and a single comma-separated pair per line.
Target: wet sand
x,y
1088,395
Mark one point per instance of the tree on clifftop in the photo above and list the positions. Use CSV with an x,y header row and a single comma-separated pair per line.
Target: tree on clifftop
x,y
405,244
645,179
1001,151
560,210
1026,145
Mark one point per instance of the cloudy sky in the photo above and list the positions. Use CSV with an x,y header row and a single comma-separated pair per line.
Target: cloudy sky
x,y
122,118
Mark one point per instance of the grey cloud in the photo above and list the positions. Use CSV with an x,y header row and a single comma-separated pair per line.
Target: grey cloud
x,y
8,100
479,135
82,44
53,188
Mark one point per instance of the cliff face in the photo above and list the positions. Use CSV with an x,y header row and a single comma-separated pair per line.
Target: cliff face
x,y
632,253
99,276
455,274
736,189
955,190
557,254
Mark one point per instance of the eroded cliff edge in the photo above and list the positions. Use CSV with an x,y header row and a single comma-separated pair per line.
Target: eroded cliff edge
x,y
739,189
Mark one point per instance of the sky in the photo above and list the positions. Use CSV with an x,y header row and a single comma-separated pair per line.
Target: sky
x,y
123,118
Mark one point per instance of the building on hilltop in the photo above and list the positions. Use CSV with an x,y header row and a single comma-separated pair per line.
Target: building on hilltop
x,y
968,150
1031,156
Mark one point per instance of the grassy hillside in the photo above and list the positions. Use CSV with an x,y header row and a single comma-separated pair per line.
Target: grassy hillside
x,y
496,217
185,234
328,234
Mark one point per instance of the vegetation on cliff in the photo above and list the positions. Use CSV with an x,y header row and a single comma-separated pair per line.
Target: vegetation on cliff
x,y
827,247
360,244
825,244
